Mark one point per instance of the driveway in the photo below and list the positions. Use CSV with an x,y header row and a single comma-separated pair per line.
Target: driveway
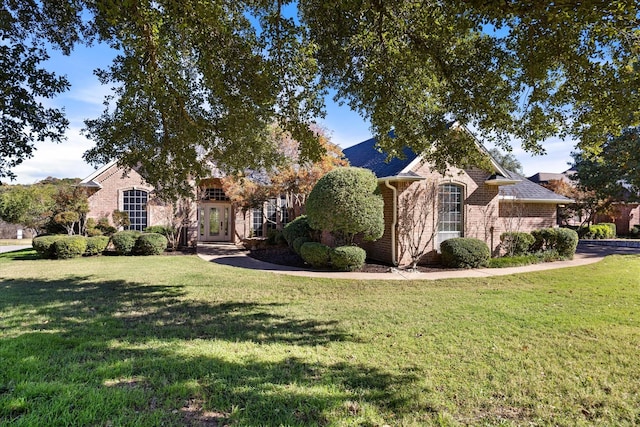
x,y
11,248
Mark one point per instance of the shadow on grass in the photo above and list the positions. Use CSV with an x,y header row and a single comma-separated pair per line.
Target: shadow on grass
x,y
21,255
86,345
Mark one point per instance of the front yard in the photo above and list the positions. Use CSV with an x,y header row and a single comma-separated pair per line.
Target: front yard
x,y
176,341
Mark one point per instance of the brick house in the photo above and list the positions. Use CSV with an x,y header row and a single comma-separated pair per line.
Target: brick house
x,y
471,202
423,207
212,217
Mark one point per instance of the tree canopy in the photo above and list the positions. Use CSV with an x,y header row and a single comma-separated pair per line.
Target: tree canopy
x,y
613,174
507,160
201,81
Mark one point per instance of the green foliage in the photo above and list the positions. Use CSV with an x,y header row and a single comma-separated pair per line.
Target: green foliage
x,y
298,242
70,247
566,242
506,160
124,241
120,218
563,241
347,258
635,231
106,228
150,244
516,243
464,252
44,245
275,237
605,230
165,230
345,202
316,254
515,261
96,245
299,227
28,205
612,171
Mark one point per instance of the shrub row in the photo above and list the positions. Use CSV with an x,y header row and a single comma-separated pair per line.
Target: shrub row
x,y
131,242
562,241
125,242
342,258
604,230
297,229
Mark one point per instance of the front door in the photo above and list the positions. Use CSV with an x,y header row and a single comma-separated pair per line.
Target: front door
x,y
215,222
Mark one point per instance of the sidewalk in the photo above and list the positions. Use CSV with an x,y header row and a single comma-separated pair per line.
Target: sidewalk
x,y
231,255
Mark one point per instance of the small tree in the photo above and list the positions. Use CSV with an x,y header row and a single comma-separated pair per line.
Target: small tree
x,y
120,219
345,203
417,224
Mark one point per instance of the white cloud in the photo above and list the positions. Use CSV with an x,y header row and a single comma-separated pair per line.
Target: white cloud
x,y
62,160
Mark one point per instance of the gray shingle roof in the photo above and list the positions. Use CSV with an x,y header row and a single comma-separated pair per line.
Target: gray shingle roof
x,y
366,155
526,190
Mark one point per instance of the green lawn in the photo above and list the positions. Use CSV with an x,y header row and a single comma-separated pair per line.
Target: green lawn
x,y
173,340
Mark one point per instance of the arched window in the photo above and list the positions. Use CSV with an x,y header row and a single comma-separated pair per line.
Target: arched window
x,y
135,204
450,219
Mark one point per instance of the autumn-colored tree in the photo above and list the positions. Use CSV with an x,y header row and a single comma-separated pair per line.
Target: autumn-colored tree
x,y
587,205
70,208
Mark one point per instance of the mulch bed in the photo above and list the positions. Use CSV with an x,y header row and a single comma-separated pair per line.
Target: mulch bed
x,y
282,255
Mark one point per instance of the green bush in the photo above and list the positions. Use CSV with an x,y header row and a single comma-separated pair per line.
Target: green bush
x,y
316,254
346,203
96,245
150,244
43,245
124,241
299,227
605,230
566,242
545,239
516,243
70,247
464,252
106,228
160,229
298,242
275,237
635,231
347,258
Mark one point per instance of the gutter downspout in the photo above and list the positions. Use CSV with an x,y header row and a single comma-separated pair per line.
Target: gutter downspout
x,y
394,221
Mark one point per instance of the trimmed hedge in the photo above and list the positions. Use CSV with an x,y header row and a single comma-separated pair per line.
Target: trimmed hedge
x,y
298,242
347,258
96,245
299,227
150,244
605,230
125,241
464,252
562,240
70,247
316,254
516,243
43,245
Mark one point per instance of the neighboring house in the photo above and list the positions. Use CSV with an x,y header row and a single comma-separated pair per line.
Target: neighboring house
x,y
623,214
470,203
210,217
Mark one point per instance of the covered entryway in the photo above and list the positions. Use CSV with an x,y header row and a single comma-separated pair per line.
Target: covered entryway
x,y
214,220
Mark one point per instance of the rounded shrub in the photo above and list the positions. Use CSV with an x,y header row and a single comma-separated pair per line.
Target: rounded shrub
x,y
566,242
316,254
298,242
70,247
96,245
516,243
299,227
545,239
43,245
150,244
346,203
348,258
464,252
124,241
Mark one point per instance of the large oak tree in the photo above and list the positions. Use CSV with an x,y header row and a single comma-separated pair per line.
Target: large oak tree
x,y
202,80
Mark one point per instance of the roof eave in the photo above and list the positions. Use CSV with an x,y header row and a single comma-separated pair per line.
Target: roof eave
x,y
398,178
549,201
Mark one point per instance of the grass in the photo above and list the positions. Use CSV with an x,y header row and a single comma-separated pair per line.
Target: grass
x,y
172,340
11,242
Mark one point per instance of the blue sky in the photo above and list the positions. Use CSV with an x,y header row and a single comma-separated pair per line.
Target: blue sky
x,y
85,98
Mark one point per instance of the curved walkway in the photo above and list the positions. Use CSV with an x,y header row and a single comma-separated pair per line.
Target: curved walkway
x,y
232,255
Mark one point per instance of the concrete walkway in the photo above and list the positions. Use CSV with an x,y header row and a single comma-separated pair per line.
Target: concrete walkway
x,y
11,248
232,255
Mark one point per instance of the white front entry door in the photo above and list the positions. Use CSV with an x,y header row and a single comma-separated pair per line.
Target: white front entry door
x,y
215,222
